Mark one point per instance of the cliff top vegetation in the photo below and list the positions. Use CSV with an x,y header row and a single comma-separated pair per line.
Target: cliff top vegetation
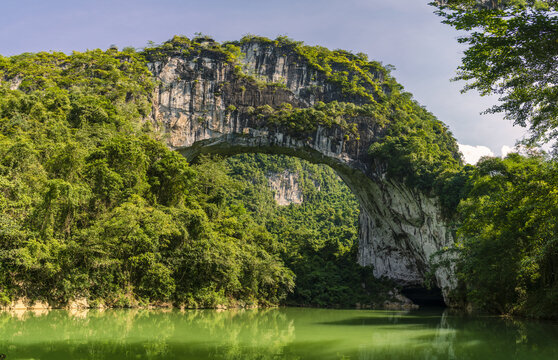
x,y
414,144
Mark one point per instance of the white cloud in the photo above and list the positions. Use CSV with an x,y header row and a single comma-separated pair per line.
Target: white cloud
x,y
506,150
472,154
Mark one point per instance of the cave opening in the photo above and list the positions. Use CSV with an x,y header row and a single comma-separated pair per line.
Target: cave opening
x,y
425,297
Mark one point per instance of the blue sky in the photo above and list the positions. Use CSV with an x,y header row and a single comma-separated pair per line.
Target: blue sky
x,y
404,33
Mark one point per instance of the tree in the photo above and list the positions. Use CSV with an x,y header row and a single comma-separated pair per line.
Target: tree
x,y
513,53
508,242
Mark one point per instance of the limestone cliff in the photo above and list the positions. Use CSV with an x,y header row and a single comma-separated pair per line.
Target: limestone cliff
x,y
205,104
286,188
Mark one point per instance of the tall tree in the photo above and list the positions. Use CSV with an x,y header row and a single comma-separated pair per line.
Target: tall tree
x,y
513,53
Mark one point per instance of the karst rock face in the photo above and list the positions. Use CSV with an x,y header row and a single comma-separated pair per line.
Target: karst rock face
x,y
203,106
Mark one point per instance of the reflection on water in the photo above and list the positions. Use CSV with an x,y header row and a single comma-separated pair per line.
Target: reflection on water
x,y
271,334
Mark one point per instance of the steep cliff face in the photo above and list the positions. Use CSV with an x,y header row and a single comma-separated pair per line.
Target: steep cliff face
x,y
206,105
286,187
193,102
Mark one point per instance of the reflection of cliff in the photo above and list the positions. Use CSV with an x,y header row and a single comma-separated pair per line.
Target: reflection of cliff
x,y
431,337
445,338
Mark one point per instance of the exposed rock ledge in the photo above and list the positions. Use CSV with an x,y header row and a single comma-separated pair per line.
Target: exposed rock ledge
x,y
286,188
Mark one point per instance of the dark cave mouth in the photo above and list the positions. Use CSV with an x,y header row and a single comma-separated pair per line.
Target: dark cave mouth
x,y
425,297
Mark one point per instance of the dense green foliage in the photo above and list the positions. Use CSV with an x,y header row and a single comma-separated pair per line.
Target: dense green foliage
x,y
512,53
303,121
419,149
509,254
319,238
200,45
507,221
92,206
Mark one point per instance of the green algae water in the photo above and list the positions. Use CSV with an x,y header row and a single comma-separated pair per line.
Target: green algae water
x,y
289,333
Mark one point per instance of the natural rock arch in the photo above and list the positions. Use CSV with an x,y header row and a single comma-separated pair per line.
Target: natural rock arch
x,y
203,105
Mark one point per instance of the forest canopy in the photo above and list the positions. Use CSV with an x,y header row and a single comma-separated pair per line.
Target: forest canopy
x,y
95,205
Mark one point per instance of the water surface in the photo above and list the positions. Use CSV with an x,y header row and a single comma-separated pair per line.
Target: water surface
x,y
289,333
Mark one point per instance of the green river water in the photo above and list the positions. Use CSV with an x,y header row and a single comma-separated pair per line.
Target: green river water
x,y
285,333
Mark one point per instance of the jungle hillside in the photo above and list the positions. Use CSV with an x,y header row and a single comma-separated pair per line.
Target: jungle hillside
x,y
95,205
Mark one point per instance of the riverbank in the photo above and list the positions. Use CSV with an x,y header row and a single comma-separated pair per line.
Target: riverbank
x,y
396,302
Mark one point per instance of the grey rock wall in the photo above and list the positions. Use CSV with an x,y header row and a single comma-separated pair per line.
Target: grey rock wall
x,y
400,227
286,188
